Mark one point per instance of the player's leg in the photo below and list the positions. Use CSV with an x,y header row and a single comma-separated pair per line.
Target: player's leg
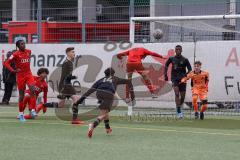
x,y
143,72
195,105
92,126
105,106
130,70
21,105
31,85
177,100
107,125
204,102
182,89
75,119
127,87
33,99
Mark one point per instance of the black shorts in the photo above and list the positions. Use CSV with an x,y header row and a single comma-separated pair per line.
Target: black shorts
x,y
67,90
182,86
105,99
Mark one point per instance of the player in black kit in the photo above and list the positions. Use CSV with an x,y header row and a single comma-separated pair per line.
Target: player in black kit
x,y
105,89
179,65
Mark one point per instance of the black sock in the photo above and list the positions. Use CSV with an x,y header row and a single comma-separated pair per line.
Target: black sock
x,y
75,111
96,123
106,122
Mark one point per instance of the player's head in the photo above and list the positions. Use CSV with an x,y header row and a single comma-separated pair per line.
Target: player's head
x,y
43,73
20,44
197,66
109,72
178,50
70,53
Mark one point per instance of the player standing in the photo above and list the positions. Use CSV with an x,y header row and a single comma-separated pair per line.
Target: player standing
x,y
40,86
200,81
134,63
105,89
24,75
66,88
179,65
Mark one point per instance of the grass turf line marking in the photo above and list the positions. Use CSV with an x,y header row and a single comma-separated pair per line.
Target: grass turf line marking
x,y
132,128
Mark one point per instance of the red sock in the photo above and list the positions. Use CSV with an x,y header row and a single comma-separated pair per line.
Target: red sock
x,y
20,106
32,104
26,101
39,107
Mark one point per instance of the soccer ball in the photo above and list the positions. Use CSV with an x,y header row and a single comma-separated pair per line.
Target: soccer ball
x,y
158,34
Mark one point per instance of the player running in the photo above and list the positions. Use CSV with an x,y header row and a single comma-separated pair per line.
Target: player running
x,y
66,88
21,58
40,86
200,81
105,89
134,63
179,65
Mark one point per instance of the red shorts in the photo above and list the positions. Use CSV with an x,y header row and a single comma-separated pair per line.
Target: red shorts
x,y
23,80
135,67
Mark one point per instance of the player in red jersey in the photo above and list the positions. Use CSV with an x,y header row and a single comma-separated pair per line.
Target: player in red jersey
x,y
40,86
24,75
134,63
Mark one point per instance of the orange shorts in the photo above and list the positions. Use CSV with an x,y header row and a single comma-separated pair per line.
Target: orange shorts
x,y
202,94
135,67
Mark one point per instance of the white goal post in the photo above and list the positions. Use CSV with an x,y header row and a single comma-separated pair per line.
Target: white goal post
x,y
174,18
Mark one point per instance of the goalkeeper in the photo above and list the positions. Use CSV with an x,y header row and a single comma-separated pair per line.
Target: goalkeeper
x,y
200,81
105,89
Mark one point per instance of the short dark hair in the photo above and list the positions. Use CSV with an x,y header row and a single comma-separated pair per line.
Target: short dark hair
x,y
69,49
18,43
198,62
109,72
42,70
178,46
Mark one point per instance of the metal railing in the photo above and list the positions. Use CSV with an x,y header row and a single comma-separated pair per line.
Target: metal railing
x,y
100,24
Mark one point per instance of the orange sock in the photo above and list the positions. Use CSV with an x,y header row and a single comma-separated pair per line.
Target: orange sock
x,y
194,102
204,108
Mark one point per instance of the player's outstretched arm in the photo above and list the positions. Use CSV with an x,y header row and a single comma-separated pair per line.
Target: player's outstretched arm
x,y
185,79
122,54
152,53
90,91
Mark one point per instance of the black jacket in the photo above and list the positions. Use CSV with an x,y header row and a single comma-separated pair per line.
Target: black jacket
x,y
9,77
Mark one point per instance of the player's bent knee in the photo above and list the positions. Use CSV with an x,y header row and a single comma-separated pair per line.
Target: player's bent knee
x,y
205,101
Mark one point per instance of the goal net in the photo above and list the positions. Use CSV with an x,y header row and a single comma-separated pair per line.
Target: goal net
x,y
213,40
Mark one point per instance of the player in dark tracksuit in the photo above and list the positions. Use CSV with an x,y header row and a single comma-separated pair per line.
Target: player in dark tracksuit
x,y
179,65
105,89
66,88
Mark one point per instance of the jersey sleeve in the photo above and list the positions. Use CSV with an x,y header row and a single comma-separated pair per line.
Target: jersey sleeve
x,y
151,53
122,54
188,76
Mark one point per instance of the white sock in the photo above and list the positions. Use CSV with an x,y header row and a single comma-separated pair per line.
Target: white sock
x,y
20,113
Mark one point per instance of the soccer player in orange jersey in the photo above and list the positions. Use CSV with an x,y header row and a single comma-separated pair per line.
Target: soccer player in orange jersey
x,y
134,64
200,81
